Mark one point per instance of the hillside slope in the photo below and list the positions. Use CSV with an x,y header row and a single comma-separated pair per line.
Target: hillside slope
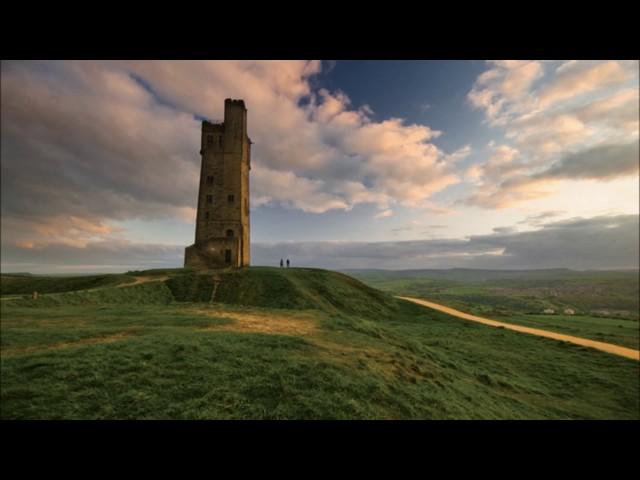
x,y
300,288
14,284
297,343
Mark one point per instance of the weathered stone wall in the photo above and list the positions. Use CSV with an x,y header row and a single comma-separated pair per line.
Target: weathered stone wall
x,y
212,254
223,199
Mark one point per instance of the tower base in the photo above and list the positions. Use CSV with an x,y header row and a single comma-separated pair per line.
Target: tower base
x,y
223,252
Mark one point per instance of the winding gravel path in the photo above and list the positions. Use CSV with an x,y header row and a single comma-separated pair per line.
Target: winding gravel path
x,y
605,347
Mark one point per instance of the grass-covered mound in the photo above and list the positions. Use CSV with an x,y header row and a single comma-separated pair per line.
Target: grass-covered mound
x,y
27,284
189,361
299,288
142,294
297,343
302,288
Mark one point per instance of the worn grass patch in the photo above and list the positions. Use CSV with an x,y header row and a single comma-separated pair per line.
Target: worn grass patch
x,y
271,323
11,351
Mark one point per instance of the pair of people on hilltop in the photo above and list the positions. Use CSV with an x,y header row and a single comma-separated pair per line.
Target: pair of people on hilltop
x,y
282,263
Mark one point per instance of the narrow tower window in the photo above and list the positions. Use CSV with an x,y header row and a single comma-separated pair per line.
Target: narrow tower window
x,y
209,140
227,256
220,141
209,180
209,198
206,215
230,198
229,233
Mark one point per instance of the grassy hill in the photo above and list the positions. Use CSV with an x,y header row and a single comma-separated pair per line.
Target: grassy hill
x,y
16,284
278,343
604,293
606,304
300,288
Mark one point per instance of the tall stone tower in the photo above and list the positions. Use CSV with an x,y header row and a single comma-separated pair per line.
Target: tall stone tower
x,y
222,223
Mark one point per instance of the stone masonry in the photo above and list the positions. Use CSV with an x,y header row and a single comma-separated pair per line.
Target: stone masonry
x,y
222,222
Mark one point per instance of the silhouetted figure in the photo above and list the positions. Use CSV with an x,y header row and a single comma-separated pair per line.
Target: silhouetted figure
x,y
287,263
280,263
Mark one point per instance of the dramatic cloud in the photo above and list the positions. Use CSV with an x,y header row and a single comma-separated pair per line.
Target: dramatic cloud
x,y
579,243
504,229
594,243
92,150
504,88
579,122
99,256
577,78
309,136
108,141
83,145
540,218
506,179
602,162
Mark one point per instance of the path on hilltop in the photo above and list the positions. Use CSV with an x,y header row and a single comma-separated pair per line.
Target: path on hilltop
x,y
605,347
139,280
136,281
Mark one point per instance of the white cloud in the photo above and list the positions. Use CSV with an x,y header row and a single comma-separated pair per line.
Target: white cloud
x,y
118,140
459,154
580,243
293,191
504,89
578,78
575,110
384,213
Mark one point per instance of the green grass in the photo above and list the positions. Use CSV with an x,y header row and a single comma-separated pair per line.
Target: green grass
x,y
23,284
141,294
300,288
159,272
594,293
606,303
611,330
371,356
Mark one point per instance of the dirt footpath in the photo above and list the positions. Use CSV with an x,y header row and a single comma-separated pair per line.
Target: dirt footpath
x,y
605,347
139,280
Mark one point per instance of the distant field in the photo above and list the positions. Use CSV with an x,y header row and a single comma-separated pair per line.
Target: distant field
x,y
297,343
610,330
605,304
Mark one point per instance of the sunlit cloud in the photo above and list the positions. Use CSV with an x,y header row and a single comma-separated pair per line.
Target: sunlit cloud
x,y
112,141
579,122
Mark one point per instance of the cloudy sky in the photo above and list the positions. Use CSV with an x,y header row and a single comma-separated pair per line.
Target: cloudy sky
x,y
356,164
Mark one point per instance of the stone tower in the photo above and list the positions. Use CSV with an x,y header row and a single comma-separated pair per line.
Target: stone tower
x,y
222,222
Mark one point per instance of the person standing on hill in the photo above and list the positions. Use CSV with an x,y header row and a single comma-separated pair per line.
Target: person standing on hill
x,y
287,263
280,263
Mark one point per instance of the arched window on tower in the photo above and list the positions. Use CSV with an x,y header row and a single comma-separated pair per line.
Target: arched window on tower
x,y
229,233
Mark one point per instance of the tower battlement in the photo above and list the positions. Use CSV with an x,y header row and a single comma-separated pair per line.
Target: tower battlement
x,y
222,220
231,101
212,127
